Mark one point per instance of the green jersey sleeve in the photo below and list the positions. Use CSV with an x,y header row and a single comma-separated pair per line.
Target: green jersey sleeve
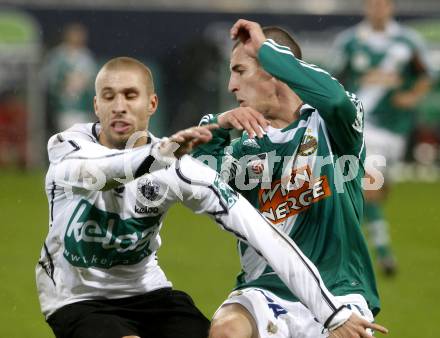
x,y
221,154
341,111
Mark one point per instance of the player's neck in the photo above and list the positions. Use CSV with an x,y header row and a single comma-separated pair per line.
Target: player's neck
x,y
285,117
288,110
379,26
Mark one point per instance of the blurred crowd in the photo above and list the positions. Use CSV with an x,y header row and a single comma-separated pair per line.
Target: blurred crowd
x,y
192,77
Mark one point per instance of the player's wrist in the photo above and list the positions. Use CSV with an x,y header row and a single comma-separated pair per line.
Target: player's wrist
x,y
223,130
338,318
163,152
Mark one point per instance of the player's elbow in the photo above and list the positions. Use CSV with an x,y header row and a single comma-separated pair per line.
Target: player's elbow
x,y
338,100
341,104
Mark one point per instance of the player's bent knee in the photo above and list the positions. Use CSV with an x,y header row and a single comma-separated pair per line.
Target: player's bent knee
x,y
233,321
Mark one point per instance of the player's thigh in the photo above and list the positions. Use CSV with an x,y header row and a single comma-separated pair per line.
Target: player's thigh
x,y
270,317
233,320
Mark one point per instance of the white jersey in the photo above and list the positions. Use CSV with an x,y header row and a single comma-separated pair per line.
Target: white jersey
x,y
101,244
104,235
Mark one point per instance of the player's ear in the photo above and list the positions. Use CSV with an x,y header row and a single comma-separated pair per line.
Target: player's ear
x,y
153,103
95,106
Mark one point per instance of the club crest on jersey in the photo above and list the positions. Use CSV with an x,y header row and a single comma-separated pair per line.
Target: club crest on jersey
x,y
148,189
308,146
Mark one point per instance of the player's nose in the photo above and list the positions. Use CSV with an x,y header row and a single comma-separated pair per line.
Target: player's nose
x,y
119,105
233,85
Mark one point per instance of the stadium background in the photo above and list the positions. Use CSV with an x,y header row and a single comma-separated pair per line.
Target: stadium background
x,y
186,43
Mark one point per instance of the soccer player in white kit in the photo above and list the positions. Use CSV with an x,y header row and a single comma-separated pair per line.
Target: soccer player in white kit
x,y
109,185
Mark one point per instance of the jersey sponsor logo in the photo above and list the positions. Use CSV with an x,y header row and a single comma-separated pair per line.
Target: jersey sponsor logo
x,y
308,146
225,192
97,238
279,203
146,209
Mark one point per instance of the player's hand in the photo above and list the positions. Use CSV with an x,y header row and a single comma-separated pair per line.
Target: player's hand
x,y
244,118
184,141
355,327
250,35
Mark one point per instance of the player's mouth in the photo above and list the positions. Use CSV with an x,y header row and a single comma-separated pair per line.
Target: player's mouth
x,y
242,103
120,127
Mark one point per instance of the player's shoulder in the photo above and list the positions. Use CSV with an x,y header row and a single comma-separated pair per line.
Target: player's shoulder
x,y
347,36
410,36
79,131
70,139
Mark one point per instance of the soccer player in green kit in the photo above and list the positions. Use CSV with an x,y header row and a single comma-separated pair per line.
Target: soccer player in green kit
x,y
305,124
386,65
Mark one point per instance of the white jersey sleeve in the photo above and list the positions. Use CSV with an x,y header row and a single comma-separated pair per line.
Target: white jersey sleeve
x,y
80,162
203,191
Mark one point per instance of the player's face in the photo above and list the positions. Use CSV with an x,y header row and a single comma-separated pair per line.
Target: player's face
x,y
123,105
378,12
252,86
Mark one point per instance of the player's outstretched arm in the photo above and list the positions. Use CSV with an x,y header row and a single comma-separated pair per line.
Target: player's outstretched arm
x,y
82,163
204,192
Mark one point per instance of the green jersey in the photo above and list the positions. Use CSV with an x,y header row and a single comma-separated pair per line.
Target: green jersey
x,y
305,179
396,50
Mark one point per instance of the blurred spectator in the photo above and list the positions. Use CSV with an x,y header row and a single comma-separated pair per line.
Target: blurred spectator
x,y
194,82
69,71
12,132
385,64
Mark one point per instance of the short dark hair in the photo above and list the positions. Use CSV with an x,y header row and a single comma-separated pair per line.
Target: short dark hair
x,y
280,36
283,37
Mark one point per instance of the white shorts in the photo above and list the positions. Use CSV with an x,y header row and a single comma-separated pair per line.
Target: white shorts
x,y
379,141
278,318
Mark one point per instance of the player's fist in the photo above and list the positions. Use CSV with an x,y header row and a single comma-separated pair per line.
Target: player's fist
x,y
250,35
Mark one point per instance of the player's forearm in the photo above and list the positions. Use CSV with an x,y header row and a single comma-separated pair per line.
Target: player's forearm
x,y
313,85
84,168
